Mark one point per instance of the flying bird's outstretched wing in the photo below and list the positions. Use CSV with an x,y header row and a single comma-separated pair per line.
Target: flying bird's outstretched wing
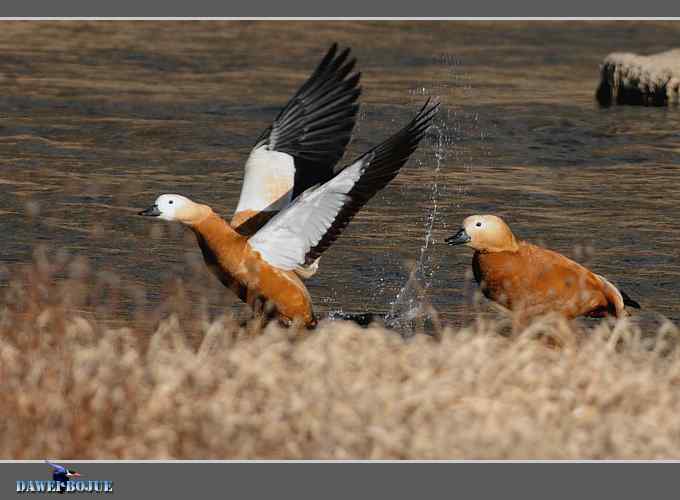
x,y
301,232
303,144
58,469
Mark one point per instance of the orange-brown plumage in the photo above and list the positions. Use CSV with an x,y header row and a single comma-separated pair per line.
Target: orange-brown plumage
x,y
262,255
241,268
531,280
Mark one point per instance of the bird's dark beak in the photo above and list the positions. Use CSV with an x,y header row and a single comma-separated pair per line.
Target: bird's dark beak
x,y
460,238
152,211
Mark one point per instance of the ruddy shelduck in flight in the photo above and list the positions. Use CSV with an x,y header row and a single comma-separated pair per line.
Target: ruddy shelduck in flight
x,y
295,201
532,281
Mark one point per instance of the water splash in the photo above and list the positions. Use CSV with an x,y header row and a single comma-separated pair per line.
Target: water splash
x,y
409,305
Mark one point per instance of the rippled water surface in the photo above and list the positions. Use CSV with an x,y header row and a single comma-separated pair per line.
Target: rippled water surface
x,y
96,119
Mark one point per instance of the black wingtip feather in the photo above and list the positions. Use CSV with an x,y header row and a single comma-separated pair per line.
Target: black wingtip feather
x,y
316,124
628,301
380,165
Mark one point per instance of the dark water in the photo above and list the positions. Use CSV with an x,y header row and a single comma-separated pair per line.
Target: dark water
x,y
97,119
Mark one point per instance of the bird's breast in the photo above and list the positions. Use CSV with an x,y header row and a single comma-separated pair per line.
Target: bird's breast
x,y
501,276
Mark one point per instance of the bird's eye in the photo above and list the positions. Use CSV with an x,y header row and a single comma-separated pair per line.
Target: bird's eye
x,y
479,224
171,202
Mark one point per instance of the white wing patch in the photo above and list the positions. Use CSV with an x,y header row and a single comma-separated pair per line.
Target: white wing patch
x,y
285,240
269,176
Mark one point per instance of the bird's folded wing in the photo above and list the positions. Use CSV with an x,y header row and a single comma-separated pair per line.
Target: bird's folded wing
x,y
305,141
300,233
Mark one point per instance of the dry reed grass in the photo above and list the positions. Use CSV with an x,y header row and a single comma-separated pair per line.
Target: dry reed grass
x,y
75,384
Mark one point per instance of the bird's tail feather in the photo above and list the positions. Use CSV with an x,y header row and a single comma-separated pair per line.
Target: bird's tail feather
x,y
628,301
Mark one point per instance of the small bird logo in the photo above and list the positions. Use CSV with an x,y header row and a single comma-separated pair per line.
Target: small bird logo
x,y
62,474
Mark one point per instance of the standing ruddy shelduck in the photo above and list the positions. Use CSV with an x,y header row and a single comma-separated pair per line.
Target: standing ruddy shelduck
x,y
265,264
532,281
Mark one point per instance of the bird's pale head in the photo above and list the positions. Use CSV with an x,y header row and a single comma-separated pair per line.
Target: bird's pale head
x,y
485,233
175,207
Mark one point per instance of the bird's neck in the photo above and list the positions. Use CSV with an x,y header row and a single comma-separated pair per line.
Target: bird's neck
x,y
218,240
211,226
509,244
195,214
